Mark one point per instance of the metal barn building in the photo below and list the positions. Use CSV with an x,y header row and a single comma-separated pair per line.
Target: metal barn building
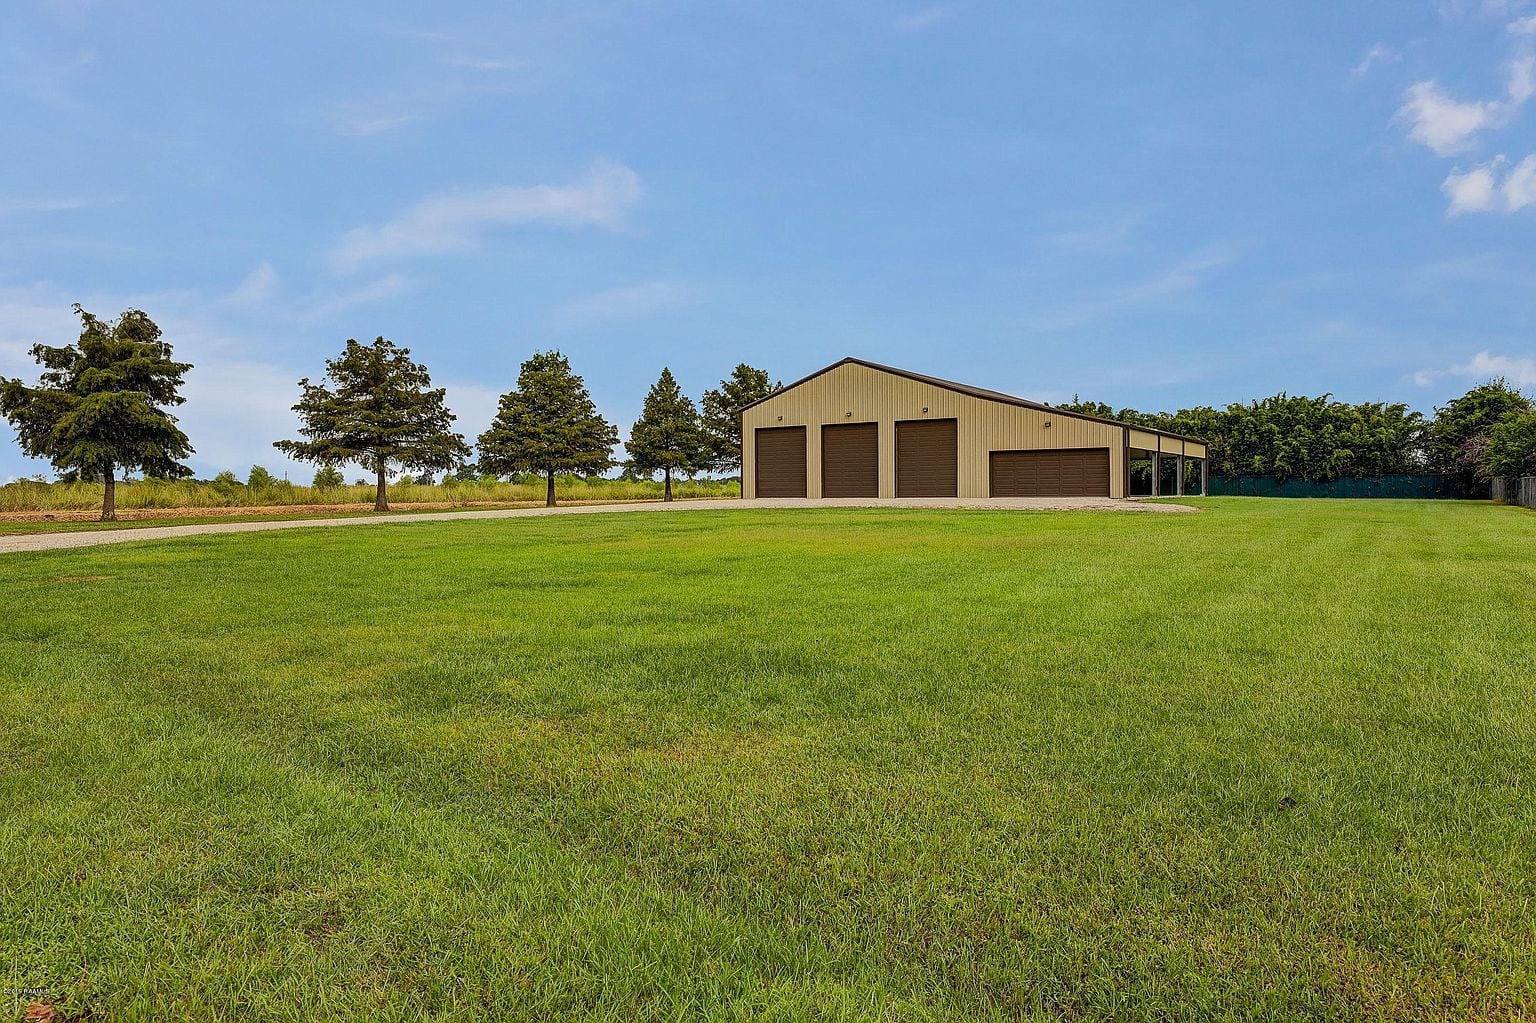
x,y
859,429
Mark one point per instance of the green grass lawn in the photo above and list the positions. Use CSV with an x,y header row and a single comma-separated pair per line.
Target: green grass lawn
x,y
1277,760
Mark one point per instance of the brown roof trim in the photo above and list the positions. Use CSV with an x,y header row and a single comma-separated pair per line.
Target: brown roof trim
x,y
975,392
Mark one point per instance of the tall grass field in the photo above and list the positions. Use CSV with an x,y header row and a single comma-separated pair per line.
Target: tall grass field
x,y
31,496
1276,760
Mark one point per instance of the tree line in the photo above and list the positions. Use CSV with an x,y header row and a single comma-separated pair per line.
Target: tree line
x,y
1487,433
102,406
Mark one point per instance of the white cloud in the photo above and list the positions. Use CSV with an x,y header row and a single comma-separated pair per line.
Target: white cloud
x,y
478,63
377,291
926,18
1523,26
260,285
1521,79
1184,276
429,92
363,116
1109,236
1518,370
456,221
10,206
359,118
1479,190
235,410
1455,10
1449,126
30,316
236,405
1473,191
1478,269
1441,123
256,288
626,303
1381,53
42,76
473,405
237,402
1520,185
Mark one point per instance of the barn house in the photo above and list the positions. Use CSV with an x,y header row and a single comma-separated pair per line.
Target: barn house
x,y
859,429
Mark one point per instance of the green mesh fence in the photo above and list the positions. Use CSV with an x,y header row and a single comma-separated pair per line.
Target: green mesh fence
x,y
1381,486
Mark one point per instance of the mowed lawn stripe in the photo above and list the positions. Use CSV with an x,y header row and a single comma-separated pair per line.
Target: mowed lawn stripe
x,y
238,882
1269,760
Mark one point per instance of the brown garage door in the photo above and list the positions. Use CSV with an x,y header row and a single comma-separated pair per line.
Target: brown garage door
x,y
927,457
780,461
1063,472
850,460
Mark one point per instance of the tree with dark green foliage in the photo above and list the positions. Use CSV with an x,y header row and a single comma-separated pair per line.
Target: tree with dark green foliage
x,y
1456,439
549,425
1510,450
99,405
260,478
1292,436
380,411
1088,408
668,437
720,414
328,477
226,483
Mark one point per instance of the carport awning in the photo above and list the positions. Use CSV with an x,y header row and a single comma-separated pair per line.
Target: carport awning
x,y
1150,442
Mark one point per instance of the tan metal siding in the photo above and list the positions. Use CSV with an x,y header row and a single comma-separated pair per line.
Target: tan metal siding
x,y
855,393
779,458
1169,445
850,460
872,395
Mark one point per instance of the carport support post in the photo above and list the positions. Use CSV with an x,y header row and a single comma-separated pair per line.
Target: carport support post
x,y
1157,474
1178,476
1205,476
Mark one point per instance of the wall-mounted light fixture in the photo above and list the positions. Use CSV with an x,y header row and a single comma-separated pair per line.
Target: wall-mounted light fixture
x,y
848,415
1047,424
925,410
781,419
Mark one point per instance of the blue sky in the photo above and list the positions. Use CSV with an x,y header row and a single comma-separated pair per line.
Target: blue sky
x,y
1153,205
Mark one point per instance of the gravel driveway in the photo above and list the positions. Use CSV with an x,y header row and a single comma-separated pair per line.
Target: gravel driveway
x,y
59,541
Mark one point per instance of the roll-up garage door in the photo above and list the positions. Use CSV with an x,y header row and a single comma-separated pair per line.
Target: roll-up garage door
x,y
850,460
1061,472
780,461
927,458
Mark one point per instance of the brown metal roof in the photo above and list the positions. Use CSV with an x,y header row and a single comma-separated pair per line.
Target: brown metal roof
x,y
975,392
